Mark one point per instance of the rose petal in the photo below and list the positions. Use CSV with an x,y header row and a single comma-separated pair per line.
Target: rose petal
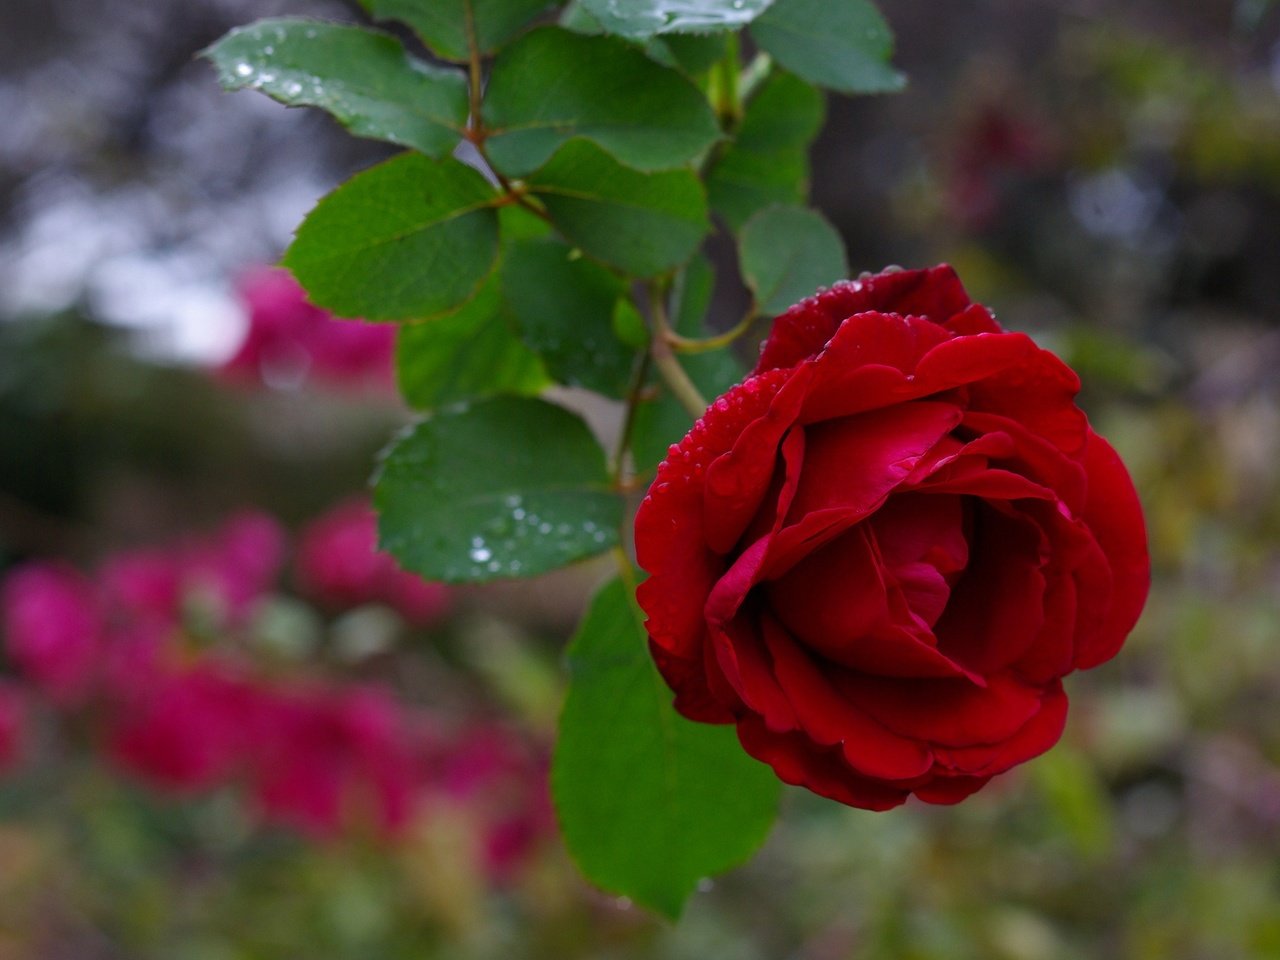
x,y
1114,515
796,760
830,719
1039,733
997,606
670,539
690,682
1036,457
804,330
855,462
1038,391
954,713
747,665
847,375
947,790
837,603
972,320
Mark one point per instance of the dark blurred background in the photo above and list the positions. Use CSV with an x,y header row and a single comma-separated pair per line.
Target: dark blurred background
x,y
1105,175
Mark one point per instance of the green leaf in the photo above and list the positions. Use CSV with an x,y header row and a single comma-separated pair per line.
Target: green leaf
x,y
841,44
649,802
641,19
574,17
663,420
642,223
407,239
468,354
563,309
693,53
552,85
362,77
784,114
768,162
519,223
442,24
787,253
503,487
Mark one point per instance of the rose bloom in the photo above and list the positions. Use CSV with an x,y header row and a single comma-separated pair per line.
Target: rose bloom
x,y
881,553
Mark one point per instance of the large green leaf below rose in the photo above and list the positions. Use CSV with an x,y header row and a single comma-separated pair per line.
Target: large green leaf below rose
x,y
408,239
552,85
844,45
649,802
502,487
442,24
362,77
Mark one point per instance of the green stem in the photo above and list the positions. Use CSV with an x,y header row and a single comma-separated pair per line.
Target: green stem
x,y
475,75
664,358
728,95
702,345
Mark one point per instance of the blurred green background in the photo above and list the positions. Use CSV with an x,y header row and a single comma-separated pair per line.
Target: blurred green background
x,y
1105,175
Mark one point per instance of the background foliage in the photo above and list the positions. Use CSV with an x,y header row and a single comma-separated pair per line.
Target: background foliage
x,y
1106,180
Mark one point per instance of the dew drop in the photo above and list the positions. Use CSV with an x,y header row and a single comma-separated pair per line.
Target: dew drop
x,y
480,554
243,70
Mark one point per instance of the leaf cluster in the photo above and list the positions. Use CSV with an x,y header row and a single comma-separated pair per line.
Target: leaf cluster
x,y
565,165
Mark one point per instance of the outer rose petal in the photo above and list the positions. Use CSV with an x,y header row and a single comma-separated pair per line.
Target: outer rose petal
x,y
805,329
796,760
671,533
1114,515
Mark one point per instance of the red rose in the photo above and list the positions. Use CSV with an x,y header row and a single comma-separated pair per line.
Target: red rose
x,y
880,554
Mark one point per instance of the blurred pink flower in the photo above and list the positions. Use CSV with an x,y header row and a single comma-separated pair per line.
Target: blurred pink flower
x,y
13,721
339,564
332,759
232,568
193,730
238,564
289,340
53,631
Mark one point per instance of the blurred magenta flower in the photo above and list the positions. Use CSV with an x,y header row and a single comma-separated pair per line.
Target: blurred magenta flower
x,y
192,730
289,341
230,570
13,722
331,759
339,565
52,630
